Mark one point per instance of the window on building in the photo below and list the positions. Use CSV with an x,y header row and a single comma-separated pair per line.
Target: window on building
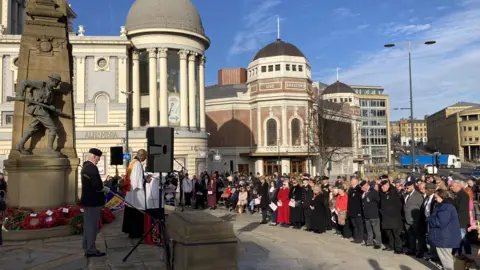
x,y
476,128
349,99
469,128
271,132
296,132
470,139
287,67
382,103
270,68
365,123
264,69
464,128
294,67
300,68
101,110
364,141
277,67
7,119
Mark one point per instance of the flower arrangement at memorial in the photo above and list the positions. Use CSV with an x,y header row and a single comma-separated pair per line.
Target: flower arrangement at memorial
x,y
23,219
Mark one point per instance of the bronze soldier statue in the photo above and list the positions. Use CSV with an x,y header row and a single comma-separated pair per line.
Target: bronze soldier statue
x,y
39,105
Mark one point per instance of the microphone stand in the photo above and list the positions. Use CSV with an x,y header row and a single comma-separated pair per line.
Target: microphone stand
x,y
180,182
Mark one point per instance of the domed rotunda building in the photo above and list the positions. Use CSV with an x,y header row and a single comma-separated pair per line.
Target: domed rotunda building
x,y
151,74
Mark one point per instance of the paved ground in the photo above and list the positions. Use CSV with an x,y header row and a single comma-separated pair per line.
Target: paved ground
x,y
261,247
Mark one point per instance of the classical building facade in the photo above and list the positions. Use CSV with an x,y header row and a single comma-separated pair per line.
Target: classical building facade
x,y
262,125
151,74
455,130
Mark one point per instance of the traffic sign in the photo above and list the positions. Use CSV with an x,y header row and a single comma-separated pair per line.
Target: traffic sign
x,y
126,156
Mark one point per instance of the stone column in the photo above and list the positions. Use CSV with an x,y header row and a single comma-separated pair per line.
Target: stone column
x,y
201,91
192,119
136,90
162,54
259,127
183,88
152,71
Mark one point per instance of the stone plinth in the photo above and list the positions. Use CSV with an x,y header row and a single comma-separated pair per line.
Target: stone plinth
x,y
202,241
48,233
39,183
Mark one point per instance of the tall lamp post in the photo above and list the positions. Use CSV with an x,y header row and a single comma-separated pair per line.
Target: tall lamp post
x,y
127,122
409,45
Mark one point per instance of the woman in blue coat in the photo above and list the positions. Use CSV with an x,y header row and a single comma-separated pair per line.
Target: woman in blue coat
x,y
444,233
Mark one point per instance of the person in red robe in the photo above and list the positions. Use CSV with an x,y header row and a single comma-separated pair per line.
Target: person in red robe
x,y
283,217
212,192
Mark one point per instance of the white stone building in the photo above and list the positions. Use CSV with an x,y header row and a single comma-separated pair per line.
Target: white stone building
x,y
153,72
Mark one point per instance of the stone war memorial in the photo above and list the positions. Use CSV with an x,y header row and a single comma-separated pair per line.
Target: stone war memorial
x,y
43,165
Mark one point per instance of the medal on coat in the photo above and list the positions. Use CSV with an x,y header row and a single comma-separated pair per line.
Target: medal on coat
x,y
388,196
368,199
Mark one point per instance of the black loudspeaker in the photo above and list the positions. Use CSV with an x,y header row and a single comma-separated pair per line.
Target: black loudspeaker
x,y
116,155
160,149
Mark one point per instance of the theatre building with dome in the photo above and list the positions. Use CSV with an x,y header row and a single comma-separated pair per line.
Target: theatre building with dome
x,y
258,117
152,73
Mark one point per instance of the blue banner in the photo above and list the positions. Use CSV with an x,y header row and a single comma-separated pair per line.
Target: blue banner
x,y
114,201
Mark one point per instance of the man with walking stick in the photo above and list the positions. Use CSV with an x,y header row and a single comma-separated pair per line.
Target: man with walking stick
x,y
93,200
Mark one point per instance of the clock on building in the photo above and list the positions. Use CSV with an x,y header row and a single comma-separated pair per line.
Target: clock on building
x,y
173,109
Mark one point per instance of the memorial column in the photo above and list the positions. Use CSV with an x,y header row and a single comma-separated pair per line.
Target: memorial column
x,y
136,90
183,89
162,54
152,72
192,119
201,90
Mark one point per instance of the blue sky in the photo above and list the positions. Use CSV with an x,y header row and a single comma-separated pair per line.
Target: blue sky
x,y
347,33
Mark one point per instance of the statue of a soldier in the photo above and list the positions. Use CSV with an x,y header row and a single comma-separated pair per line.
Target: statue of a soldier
x,y
39,106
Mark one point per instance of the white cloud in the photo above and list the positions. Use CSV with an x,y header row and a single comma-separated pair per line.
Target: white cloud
x,y
442,74
407,29
344,13
260,26
363,26
441,7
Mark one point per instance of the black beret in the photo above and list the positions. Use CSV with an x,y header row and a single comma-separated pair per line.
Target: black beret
x,y
430,186
363,183
384,182
95,151
409,183
384,176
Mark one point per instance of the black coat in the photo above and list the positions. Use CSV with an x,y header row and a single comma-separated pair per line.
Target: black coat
x,y
307,196
318,218
296,213
371,202
355,202
461,203
3,185
263,192
391,209
92,194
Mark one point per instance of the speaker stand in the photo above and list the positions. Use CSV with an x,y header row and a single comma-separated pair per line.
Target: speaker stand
x,y
180,182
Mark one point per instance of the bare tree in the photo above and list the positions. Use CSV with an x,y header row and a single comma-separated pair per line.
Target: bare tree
x,y
333,131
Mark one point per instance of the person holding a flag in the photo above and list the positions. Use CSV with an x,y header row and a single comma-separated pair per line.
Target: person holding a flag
x,y
134,190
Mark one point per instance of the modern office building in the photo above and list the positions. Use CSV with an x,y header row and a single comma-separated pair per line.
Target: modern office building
x,y
455,130
375,114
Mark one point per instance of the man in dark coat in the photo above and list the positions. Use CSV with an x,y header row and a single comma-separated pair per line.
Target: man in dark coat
x,y
307,199
391,211
354,210
326,197
425,211
93,200
370,203
413,200
265,199
461,202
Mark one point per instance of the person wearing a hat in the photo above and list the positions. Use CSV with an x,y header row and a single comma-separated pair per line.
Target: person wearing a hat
x,y
413,200
391,215
370,204
93,200
41,92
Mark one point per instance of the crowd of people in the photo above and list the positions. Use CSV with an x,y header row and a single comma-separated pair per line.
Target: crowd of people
x,y
431,217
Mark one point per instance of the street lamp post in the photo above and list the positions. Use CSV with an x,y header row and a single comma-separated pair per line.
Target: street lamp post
x,y
127,122
409,45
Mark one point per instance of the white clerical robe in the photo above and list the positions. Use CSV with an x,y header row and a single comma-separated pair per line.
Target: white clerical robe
x,y
153,192
136,195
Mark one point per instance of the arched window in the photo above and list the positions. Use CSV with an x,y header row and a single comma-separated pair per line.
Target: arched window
x,y
271,132
101,110
296,132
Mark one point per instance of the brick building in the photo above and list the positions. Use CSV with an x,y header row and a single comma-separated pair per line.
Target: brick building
x,y
262,125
